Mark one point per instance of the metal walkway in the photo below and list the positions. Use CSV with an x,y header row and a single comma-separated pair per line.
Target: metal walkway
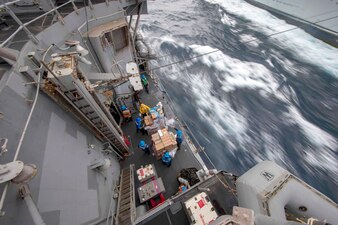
x,y
126,212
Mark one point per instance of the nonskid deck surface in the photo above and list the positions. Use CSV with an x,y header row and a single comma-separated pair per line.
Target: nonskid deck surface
x,y
184,158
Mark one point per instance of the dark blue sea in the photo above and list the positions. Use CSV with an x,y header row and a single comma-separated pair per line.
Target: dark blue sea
x,y
256,98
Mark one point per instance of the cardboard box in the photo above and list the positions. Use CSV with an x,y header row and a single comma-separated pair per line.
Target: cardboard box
x,y
153,116
148,121
157,142
155,137
159,146
165,139
171,147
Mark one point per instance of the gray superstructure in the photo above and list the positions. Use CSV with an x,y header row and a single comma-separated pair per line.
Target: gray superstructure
x,y
66,154
319,13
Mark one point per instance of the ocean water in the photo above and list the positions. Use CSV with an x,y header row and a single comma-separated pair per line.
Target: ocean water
x,y
254,98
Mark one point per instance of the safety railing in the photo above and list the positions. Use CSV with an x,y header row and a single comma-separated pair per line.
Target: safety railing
x,y
24,26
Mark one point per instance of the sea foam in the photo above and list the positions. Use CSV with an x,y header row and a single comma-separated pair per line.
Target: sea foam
x,y
298,42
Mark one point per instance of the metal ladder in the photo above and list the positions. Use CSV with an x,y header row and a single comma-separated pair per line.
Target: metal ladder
x,y
86,104
126,212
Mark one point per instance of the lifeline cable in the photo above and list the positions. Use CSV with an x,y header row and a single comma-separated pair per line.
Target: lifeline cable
x,y
245,42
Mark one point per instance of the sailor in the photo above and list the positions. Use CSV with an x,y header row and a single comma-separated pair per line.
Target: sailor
x,y
123,107
144,109
136,97
145,82
166,159
182,188
140,126
126,113
144,147
179,138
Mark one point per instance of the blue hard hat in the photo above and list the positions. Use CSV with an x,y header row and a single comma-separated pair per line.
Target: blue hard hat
x,y
138,119
123,107
142,144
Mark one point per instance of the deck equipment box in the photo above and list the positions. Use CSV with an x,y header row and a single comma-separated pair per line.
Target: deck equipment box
x,y
200,209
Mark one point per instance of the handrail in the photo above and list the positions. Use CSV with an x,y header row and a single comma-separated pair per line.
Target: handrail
x,y
9,3
10,37
45,14
29,22
98,18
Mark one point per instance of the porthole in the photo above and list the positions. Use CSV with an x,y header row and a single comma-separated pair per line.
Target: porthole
x,y
302,208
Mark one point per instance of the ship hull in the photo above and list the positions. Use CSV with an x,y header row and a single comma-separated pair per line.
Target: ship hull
x,y
317,17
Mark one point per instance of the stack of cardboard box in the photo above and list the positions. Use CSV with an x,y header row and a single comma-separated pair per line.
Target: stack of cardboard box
x,y
163,141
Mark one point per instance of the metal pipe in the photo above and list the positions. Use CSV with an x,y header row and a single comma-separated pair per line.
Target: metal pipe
x,y
137,19
2,200
33,210
75,8
45,14
90,5
10,37
57,12
34,82
130,20
98,18
31,21
18,21
8,54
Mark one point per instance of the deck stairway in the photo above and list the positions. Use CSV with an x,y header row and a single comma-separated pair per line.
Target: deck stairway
x,y
76,96
126,212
